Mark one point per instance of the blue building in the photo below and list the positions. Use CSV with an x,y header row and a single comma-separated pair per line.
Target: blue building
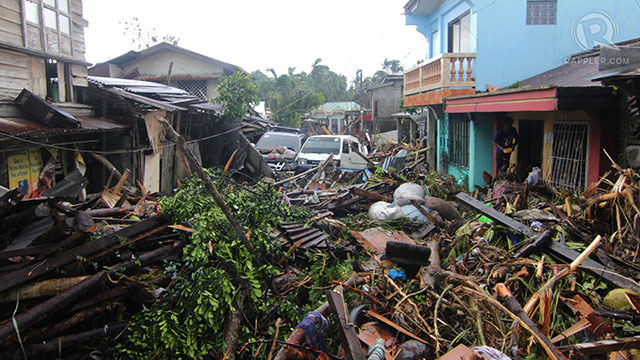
x,y
516,39
485,45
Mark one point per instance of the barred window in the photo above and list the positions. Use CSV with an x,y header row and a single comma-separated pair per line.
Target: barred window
x,y
542,12
459,140
569,155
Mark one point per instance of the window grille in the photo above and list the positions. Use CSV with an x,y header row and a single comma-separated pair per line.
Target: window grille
x,y
194,87
459,140
569,155
542,12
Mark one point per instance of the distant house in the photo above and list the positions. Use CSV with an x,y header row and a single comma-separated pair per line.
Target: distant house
x,y
42,48
386,98
337,116
170,65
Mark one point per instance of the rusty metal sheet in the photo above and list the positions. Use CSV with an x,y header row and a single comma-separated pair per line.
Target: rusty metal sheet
x,y
394,325
376,239
23,126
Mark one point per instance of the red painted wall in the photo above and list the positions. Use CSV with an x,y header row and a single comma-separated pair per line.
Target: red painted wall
x,y
595,149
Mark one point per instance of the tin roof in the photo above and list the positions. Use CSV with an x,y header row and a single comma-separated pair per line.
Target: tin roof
x,y
25,126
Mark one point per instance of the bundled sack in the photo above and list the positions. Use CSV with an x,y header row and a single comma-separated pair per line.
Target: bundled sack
x,y
407,192
382,211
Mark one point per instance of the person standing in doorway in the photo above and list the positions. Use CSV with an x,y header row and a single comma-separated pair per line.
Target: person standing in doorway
x,y
506,141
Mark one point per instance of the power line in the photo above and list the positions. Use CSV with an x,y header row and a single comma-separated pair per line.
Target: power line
x,y
112,152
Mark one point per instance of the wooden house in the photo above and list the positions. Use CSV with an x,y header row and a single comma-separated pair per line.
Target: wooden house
x,y
42,49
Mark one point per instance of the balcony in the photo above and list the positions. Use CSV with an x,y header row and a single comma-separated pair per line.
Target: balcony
x,y
443,76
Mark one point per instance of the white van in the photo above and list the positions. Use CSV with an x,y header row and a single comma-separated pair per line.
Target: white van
x,y
317,148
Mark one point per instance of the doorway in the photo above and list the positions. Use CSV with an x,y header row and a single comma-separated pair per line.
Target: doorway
x,y
531,139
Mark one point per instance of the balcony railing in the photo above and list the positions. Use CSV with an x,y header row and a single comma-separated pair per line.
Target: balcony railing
x,y
453,70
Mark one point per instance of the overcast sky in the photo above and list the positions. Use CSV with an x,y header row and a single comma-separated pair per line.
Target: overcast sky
x,y
258,34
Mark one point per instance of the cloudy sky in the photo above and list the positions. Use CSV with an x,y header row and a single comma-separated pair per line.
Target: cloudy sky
x,y
258,34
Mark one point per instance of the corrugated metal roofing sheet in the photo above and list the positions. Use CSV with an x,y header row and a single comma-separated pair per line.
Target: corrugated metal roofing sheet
x,y
136,86
577,73
21,126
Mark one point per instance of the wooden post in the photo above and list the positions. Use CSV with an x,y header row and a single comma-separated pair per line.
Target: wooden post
x,y
208,183
346,331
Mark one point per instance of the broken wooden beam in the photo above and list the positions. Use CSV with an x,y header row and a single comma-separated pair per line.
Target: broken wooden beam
x,y
41,312
601,347
346,330
297,336
513,305
563,253
62,343
370,195
45,266
208,183
44,288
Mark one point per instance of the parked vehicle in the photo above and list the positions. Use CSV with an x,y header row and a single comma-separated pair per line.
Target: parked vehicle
x,y
317,148
280,148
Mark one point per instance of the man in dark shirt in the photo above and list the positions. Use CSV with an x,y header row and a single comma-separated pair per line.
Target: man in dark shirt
x,y
506,140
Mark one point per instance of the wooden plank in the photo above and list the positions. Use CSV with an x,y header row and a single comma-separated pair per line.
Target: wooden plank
x,y
79,70
394,325
346,330
38,81
12,57
33,37
52,44
76,7
10,37
494,214
151,180
16,72
13,83
29,273
11,4
11,15
562,252
168,168
603,347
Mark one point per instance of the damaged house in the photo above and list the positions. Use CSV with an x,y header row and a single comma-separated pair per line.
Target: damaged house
x,y
55,122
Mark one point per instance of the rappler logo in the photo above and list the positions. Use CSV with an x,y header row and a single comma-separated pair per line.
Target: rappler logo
x,y
595,29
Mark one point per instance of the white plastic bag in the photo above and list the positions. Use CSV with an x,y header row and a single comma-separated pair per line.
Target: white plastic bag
x,y
407,192
382,211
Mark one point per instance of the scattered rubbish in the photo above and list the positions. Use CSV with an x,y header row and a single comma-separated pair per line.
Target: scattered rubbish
x,y
394,263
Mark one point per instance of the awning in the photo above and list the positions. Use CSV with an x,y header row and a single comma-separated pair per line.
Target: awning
x,y
541,99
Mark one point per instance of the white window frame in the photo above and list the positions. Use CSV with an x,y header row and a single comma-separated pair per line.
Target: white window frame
x,y
42,6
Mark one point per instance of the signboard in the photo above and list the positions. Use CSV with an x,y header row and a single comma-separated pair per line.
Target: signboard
x,y
24,168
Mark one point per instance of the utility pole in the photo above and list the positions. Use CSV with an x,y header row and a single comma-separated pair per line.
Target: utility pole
x,y
359,75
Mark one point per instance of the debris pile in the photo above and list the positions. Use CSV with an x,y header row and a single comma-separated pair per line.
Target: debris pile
x,y
384,263
74,273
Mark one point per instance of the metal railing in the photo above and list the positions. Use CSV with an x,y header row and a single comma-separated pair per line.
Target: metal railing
x,y
452,70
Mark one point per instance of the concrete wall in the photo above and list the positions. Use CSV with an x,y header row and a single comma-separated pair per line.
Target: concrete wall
x,y
480,148
481,129
509,50
388,99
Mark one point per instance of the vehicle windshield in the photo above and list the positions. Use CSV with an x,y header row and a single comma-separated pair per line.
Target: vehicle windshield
x,y
273,141
318,145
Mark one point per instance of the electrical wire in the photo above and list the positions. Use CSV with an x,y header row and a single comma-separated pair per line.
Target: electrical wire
x,y
112,152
